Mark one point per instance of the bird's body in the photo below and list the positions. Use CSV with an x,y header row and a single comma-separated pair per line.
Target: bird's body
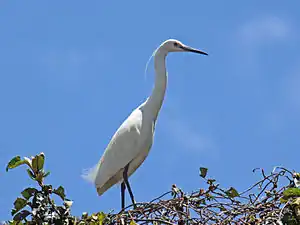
x,y
135,137
132,142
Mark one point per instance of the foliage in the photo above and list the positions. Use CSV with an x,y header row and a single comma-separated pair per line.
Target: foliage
x,y
274,199
35,203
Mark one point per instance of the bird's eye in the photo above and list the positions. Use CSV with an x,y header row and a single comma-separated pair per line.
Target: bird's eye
x,y
175,44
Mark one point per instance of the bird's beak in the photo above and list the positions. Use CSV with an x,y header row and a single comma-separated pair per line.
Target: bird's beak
x,y
189,49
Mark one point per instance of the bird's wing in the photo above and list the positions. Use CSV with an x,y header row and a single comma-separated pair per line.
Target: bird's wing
x,y
122,148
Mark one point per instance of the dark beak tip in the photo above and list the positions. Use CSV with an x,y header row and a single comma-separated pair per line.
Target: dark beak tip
x,y
189,49
202,53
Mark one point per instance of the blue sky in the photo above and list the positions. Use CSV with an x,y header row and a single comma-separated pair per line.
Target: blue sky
x,y
71,72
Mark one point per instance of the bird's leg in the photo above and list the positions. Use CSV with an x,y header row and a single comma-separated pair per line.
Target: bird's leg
x,y
123,187
125,177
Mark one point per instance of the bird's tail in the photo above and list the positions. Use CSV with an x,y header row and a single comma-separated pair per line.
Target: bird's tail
x,y
90,174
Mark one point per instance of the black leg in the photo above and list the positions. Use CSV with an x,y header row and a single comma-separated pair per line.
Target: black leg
x,y
123,187
125,177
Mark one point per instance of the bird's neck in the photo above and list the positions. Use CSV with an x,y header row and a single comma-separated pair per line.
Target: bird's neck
x,y
155,101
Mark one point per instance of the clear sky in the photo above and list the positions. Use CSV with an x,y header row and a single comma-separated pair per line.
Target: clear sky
x,y
72,71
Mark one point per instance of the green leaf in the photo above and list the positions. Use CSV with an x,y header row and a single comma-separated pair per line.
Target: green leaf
x,y
47,188
203,172
46,174
34,164
40,161
15,162
21,215
296,202
283,200
133,223
291,192
252,218
13,212
28,192
60,191
31,174
101,217
19,204
231,193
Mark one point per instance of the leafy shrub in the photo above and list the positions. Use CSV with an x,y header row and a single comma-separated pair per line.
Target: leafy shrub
x,y
275,199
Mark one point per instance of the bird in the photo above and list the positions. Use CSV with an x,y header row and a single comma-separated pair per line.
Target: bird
x,y
131,143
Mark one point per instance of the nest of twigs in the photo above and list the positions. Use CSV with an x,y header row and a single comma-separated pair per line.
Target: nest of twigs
x,y
272,200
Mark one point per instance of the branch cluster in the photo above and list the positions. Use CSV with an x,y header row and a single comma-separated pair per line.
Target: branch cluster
x,y
265,202
274,199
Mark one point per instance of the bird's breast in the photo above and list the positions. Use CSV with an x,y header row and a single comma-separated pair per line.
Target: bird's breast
x,y
147,132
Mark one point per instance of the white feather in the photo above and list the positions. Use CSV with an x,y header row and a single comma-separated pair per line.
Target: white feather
x,y
90,174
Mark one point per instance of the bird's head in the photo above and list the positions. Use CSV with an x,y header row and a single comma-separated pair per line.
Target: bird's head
x,y
173,45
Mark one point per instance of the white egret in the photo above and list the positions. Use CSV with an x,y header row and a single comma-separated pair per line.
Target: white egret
x,y
131,143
